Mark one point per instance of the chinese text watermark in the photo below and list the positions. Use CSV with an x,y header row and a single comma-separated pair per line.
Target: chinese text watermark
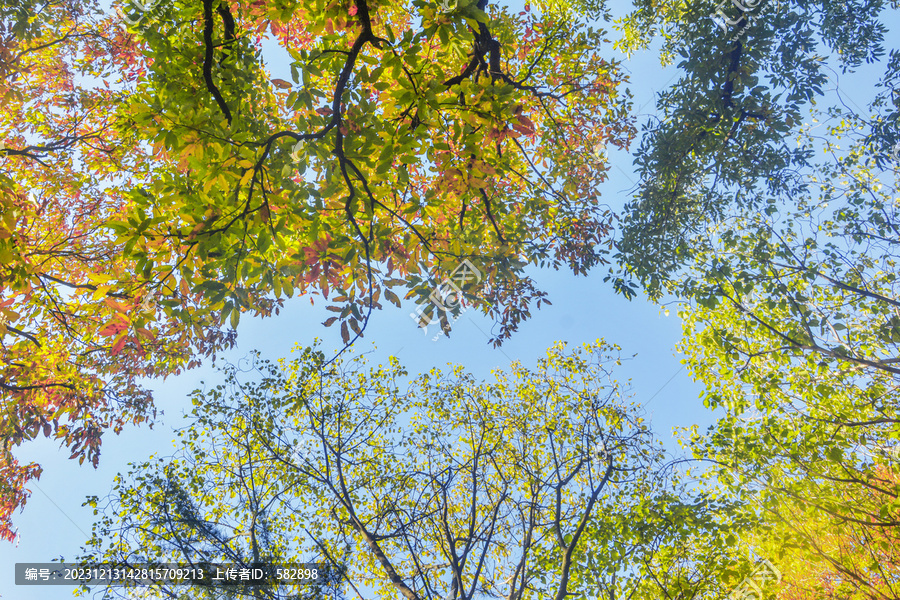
x,y
724,20
447,297
448,5
144,7
751,588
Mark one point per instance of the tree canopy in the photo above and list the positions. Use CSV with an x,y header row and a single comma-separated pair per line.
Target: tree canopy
x,y
772,220
544,483
158,180
749,73
172,182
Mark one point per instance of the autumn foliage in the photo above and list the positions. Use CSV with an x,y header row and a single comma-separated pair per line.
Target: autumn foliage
x,y
158,180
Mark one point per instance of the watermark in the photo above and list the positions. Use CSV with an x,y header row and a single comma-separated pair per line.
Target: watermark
x,y
215,575
303,451
144,8
745,10
600,450
448,6
743,419
599,153
446,297
895,152
751,588
889,452
148,303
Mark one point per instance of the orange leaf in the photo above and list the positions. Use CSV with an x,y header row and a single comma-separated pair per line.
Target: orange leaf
x,y
120,343
145,332
116,306
111,329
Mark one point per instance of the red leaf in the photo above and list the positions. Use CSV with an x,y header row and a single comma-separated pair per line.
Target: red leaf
x,y
117,347
345,335
111,329
524,126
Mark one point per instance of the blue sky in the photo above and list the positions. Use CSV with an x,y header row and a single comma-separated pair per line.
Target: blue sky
x,y
584,309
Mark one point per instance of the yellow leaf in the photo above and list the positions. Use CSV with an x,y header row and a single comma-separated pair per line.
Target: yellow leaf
x,y
100,292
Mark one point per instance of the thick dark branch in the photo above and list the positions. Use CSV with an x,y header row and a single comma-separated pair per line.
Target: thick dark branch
x,y
24,388
24,334
733,68
208,59
11,152
467,72
562,590
228,21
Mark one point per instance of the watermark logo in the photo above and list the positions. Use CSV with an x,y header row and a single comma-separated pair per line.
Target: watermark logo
x,y
448,6
446,297
303,451
891,453
722,18
148,303
600,451
296,149
895,152
894,452
599,153
143,9
751,588
743,420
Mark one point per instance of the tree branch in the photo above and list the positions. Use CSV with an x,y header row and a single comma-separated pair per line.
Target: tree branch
x,y
208,59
